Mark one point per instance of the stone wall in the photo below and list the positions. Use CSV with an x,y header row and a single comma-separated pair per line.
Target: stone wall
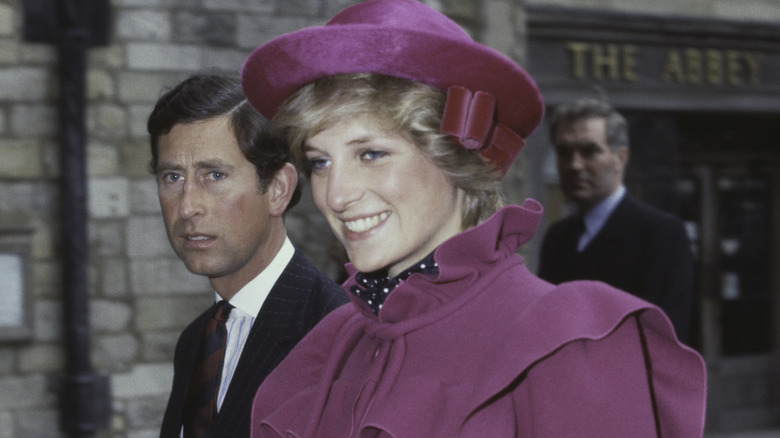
x,y
141,296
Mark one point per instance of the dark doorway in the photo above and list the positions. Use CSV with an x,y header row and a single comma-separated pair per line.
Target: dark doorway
x,y
721,174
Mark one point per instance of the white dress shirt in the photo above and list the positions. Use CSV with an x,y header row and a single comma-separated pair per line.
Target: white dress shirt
x,y
247,303
597,216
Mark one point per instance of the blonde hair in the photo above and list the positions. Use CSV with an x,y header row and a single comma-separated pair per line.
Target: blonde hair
x,y
399,105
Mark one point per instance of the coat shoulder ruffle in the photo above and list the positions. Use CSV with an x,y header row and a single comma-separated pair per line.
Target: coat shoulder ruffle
x,y
488,349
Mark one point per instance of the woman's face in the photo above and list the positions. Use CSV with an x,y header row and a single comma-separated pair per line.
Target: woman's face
x,y
387,203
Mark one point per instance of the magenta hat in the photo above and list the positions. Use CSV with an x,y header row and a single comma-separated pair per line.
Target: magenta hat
x,y
492,103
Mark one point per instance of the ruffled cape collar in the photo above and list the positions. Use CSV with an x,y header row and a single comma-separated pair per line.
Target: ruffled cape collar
x,y
461,259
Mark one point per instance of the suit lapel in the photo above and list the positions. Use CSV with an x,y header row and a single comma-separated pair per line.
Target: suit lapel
x,y
186,360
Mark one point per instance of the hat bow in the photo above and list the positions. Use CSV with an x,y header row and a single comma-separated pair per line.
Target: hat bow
x,y
470,119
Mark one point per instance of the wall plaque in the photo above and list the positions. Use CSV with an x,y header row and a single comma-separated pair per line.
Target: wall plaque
x,y
15,312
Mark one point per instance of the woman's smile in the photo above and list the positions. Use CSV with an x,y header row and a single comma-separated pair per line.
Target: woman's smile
x,y
364,224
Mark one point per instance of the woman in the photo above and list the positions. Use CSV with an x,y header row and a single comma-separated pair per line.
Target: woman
x,y
405,127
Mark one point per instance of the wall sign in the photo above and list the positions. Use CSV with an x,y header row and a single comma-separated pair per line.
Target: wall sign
x,y
652,62
15,313
686,65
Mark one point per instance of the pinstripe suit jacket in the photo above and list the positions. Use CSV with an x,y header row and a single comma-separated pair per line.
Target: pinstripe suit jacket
x,y
300,298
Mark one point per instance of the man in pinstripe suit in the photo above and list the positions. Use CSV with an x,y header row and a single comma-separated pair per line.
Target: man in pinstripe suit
x,y
224,183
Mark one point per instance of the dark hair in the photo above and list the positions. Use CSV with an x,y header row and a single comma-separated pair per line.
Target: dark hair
x,y
616,125
208,95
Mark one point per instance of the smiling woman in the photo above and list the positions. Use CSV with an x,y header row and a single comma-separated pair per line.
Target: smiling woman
x,y
395,107
371,192
449,334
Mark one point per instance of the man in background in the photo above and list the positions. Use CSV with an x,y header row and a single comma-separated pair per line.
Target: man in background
x,y
613,237
223,183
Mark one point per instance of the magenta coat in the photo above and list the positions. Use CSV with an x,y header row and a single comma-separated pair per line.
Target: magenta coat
x,y
487,349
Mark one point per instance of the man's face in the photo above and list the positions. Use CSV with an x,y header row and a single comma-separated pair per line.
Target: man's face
x,y
215,214
588,168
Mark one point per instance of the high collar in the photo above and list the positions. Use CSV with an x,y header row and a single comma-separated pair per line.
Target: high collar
x,y
250,298
462,260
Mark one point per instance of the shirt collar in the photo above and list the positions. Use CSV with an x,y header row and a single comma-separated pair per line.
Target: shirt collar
x,y
250,298
597,216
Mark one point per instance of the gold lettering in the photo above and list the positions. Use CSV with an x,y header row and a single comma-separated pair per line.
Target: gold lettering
x,y
577,51
629,63
686,65
693,65
673,69
714,67
733,67
753,64
608,61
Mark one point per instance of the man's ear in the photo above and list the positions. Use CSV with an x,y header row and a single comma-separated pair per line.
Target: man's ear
x,y
281,189
623,155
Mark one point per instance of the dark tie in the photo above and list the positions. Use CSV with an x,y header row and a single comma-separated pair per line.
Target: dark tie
x,y
200,403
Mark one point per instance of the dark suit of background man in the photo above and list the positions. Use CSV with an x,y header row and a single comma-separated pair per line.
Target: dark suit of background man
x,y
224,182
624,243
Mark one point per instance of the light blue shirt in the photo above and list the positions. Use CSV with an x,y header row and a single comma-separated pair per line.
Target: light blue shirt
x,y
597,216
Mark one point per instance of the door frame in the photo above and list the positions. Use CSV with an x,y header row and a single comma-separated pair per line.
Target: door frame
x,y
762,370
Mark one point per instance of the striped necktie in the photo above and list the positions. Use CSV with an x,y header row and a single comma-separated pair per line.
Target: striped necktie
x,y
200,403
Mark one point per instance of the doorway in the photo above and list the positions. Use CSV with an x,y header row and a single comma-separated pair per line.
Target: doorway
x,y
731,215
721,174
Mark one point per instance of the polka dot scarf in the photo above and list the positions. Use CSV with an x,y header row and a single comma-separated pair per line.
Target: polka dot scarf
x,y
374,287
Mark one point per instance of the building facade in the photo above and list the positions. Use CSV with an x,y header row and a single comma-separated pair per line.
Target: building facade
x,y
698,80
699,85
